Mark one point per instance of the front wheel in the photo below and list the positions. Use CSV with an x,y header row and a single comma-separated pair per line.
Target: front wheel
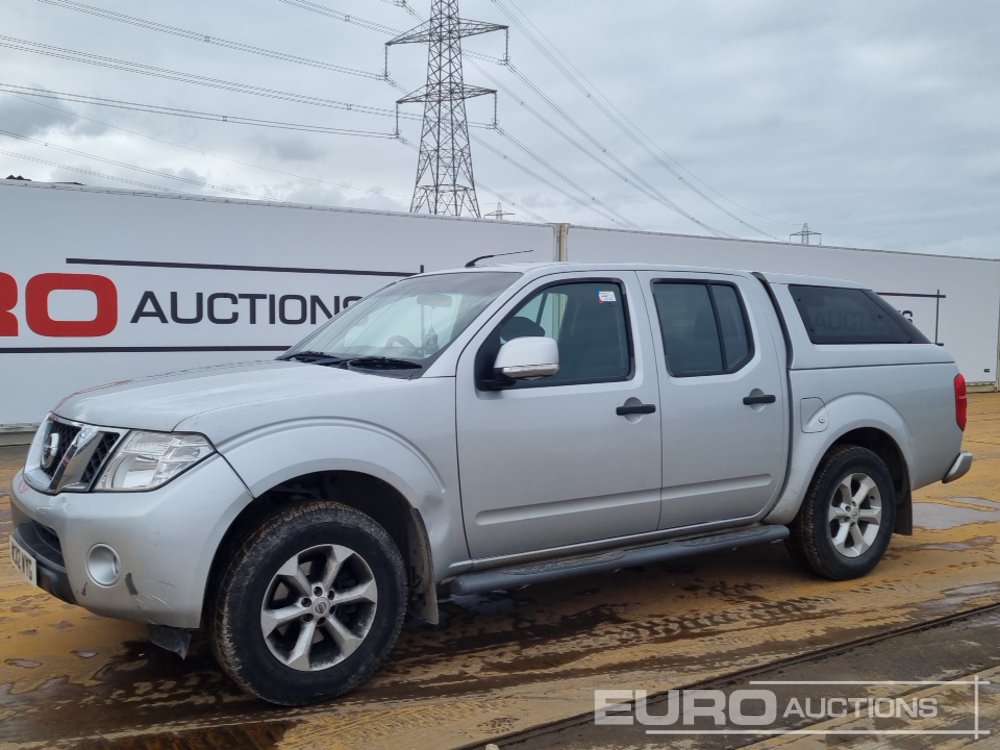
x,y
310,605
843,527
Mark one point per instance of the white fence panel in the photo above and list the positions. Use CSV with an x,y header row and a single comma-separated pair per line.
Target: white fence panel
x,y
97,286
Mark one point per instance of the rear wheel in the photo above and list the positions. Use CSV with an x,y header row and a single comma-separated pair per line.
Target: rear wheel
x,y
845,522
310,605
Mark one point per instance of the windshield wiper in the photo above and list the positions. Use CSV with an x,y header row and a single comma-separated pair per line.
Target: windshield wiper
x,y
314,358
366,363
383,363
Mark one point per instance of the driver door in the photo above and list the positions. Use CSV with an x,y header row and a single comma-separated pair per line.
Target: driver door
x,y
550,462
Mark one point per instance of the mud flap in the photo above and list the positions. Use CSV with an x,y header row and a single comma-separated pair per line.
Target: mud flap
x,y
177,640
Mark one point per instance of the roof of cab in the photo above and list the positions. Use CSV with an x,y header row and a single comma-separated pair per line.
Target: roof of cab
x,y
545,268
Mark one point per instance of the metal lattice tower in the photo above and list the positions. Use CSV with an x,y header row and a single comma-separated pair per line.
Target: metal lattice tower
x,y
499,214
445,183
805,235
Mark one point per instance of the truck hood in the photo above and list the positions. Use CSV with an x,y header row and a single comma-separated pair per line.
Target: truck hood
x,y
206,399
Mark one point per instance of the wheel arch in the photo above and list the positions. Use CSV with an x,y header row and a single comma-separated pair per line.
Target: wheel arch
x,y
368,494
885,447
854,419
385,476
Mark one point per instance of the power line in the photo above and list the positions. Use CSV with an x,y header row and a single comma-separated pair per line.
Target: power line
x,y
618,218
155,109
113,63
636,127
381,28
489,190
622,122
620,221
545,181
188,113
444,145
205,38
339,16
628,174
150,70
370,25
374,191
68,168
564,135
445,183
527,81
319,180
126,165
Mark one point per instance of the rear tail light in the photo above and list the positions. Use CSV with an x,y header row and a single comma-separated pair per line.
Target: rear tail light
x,y
961,401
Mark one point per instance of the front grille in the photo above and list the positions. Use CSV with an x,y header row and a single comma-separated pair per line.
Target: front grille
x,y
51,458
101,453
69,455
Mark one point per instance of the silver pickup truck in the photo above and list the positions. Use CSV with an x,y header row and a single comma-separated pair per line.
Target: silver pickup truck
x,y
484,429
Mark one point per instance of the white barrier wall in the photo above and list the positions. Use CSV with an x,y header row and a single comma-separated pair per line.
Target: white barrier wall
x,y
102,285
953,301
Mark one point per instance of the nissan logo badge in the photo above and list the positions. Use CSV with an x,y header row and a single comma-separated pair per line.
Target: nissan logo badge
x,y
50,450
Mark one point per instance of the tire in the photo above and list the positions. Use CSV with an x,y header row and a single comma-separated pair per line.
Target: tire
x,y
275,628
843,527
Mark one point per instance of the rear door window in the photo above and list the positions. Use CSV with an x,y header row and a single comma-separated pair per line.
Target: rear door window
x,y
704,327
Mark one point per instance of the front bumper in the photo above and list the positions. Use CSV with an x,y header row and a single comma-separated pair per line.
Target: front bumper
x,y
959,468
165,540
45,548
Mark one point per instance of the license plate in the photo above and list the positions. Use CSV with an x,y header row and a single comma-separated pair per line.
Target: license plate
x,y
21,559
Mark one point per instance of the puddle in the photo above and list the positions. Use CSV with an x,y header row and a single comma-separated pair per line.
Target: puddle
x,y
979,541
937,515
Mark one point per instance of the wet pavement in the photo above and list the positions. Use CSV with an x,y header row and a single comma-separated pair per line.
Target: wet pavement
x,y
947,685
501,664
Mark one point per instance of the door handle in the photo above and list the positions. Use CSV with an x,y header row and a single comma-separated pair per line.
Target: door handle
x,y
627,409
765,399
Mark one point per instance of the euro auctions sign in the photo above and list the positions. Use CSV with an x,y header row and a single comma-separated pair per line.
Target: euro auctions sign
x,y
103,286
37,312
91,306
109,319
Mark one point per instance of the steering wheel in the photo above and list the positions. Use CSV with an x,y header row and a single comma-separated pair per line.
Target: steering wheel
x,y
398,340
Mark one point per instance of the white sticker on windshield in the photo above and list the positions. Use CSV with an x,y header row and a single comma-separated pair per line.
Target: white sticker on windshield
x,y
606,296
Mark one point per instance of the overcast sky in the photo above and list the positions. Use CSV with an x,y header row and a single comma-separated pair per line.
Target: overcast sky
x,y
878,122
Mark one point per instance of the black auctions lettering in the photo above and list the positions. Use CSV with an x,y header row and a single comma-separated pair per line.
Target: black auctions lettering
x,y
226,308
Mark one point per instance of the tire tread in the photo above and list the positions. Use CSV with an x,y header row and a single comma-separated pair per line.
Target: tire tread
x,y
220,619
807,529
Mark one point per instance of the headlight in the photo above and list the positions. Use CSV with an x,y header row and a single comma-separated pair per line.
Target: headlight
x,y
147,460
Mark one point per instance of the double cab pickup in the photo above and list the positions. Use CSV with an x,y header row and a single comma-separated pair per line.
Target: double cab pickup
x,y
481,429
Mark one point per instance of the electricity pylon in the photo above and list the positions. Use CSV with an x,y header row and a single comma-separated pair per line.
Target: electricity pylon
x,y
445,183
805,235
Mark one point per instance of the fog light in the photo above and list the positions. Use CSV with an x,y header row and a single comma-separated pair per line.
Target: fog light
x,y
103,564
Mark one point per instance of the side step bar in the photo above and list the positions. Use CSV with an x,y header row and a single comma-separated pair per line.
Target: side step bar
x,y
603,562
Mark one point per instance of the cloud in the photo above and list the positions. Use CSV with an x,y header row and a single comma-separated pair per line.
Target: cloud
x,y
290,148
23,116
876,123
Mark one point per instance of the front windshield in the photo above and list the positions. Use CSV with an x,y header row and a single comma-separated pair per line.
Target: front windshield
x,y
413,319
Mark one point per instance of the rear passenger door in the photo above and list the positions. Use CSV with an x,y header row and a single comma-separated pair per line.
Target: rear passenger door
x,y
722,395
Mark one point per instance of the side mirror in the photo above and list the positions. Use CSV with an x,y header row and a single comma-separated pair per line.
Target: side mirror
x,y
527,357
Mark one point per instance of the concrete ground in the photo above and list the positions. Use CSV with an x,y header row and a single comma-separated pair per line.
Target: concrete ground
x,y
959,654
501,665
